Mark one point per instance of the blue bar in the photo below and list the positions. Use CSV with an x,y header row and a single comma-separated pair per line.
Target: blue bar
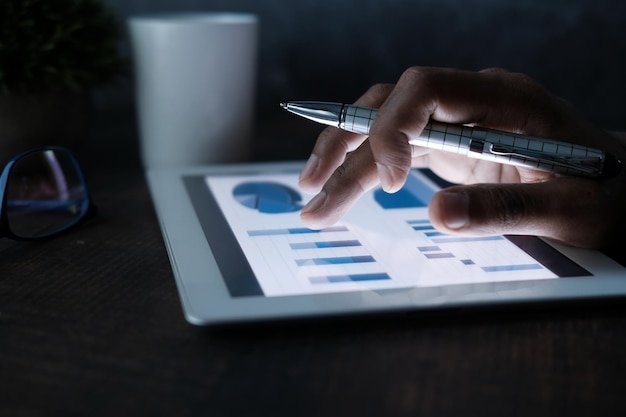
x,y
467,262
294,231
502,268
421,221
428,248
335,261
348,278
440,255
427,227
325,245
303,245
448,239
432,234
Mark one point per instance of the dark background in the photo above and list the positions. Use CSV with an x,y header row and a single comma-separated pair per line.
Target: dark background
x,y
335,49
91,323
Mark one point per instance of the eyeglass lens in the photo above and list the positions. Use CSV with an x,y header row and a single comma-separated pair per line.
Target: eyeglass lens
x,y
45,194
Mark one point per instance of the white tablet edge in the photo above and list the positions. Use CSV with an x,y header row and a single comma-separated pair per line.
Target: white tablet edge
x,y
206,299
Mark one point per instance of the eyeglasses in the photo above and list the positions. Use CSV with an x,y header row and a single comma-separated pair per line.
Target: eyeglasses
x,y
43,194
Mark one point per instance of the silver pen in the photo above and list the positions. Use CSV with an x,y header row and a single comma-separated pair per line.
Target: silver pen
x,y
475,142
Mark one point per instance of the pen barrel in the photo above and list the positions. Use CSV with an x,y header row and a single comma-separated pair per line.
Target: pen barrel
x,y
474,142
356,119
511,149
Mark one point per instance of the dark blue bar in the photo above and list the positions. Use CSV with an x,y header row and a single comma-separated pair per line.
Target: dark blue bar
x,y
432,234
338,244
349,278
294,231
335,261
325,245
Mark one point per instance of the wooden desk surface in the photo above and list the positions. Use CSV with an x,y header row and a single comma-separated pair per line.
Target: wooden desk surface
x,y
91,324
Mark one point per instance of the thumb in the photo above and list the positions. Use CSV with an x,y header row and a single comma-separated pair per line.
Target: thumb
x,y
571,210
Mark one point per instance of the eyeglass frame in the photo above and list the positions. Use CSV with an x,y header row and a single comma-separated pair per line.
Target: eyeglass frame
x,y
88,208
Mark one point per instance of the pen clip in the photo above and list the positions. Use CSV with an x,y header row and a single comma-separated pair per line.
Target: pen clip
x,y
589,165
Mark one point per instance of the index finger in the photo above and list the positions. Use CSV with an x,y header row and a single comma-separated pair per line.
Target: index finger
x,y
334,144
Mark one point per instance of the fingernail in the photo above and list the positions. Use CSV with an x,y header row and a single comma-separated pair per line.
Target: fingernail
x,y
387,178
309,167
315,203
455,209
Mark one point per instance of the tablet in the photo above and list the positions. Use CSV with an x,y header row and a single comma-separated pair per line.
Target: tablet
x,y
239,252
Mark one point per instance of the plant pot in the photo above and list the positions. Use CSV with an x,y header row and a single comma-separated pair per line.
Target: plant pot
x,y
33,120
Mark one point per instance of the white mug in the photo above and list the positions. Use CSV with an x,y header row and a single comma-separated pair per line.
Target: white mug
x,y
195,77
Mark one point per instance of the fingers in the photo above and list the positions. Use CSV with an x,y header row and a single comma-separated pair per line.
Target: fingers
x,y
342,190
575,211
507,199
421,93
339,181
446,95
334,144
329,152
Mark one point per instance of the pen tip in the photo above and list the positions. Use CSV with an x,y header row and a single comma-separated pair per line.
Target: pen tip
x,y
283,105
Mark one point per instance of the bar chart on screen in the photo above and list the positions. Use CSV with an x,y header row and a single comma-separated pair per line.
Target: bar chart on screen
x,y
385,241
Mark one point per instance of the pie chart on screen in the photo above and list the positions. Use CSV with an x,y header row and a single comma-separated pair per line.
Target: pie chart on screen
x,y
268,197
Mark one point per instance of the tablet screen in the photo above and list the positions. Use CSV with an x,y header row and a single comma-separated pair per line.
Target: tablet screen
x,y
386,241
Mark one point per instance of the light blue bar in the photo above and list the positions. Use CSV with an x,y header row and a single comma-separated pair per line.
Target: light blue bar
x,y
428,248
421,221
502,268
420,228
303,245
466,239
433,234
294,231
325,245
439,255
348,278
335,261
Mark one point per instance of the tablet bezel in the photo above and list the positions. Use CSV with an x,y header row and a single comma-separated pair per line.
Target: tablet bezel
x,y
206,300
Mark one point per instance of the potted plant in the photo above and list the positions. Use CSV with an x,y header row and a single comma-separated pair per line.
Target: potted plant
x,y
52,55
